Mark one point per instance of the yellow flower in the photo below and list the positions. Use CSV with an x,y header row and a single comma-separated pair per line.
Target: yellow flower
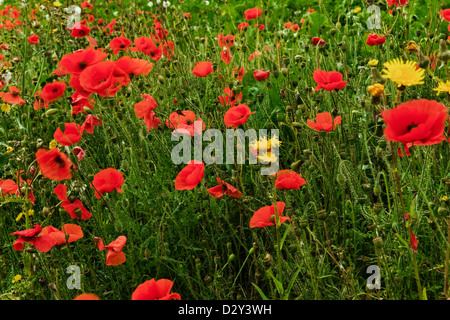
x,y
264,144
357,10
30,213
412,47
403,73
5,108
9,149
444,198
53,144
376,89
57,4
267,157
16,278
373,63
443,87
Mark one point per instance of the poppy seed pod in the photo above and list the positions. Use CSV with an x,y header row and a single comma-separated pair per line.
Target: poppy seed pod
x,y
378,243
284,71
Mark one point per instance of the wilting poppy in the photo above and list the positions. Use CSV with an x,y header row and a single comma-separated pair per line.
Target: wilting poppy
x,y
155,290
119,43
79,152
34,39
324,121
71,135
107,180
75,208
147,46
253,55
54,164
239,73
413,242
288,179
115,255
420,122
374,39
252,13
261,75
89,123
12,97
226,56
80,30
224,188
230,98
328,80
42,243
265,216
144,110
237,115
190,176
73,232
76,62
243,25
202,69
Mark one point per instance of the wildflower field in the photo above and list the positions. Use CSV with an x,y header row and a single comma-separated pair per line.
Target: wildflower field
x,y
224,150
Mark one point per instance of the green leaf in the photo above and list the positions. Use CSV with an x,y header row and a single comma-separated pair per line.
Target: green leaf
x,y
260,292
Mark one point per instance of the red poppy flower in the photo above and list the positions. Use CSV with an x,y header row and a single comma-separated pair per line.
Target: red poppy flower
x,y
42,243
119,43
107,180
184,122
87,296
420,122
398,3
237,115
414,242
79,152
89,123
86,5
103,78
316,41
261,75
144,109
202,69
160,32
76,62
288,179
34,39
265,216
260,27
225,41
155,290
54,165
75,208
226,56
73,232
115,255
239,73
71,135
80,30
445,14
79,102
53,91
324,121
8,186
253,55
224,188
252,13
328,80
148,47
190,176
243,25
374,39
167,49
12,96
230,98
134,66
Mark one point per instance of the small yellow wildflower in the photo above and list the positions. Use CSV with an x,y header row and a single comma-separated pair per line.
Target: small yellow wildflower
x,y
404,74
357,10
444,198
16,278
57,4
373,63
5,108
264,144
443,87
9,149
53,144
376,89
55,30
30,213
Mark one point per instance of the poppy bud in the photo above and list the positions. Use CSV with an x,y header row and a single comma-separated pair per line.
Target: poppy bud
x,y
284,71
322,214
231,257
296,165
87,110
160,79
46,211
377,190
377,207
296,125
51,112
378,243
340,178
338,26
268,260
